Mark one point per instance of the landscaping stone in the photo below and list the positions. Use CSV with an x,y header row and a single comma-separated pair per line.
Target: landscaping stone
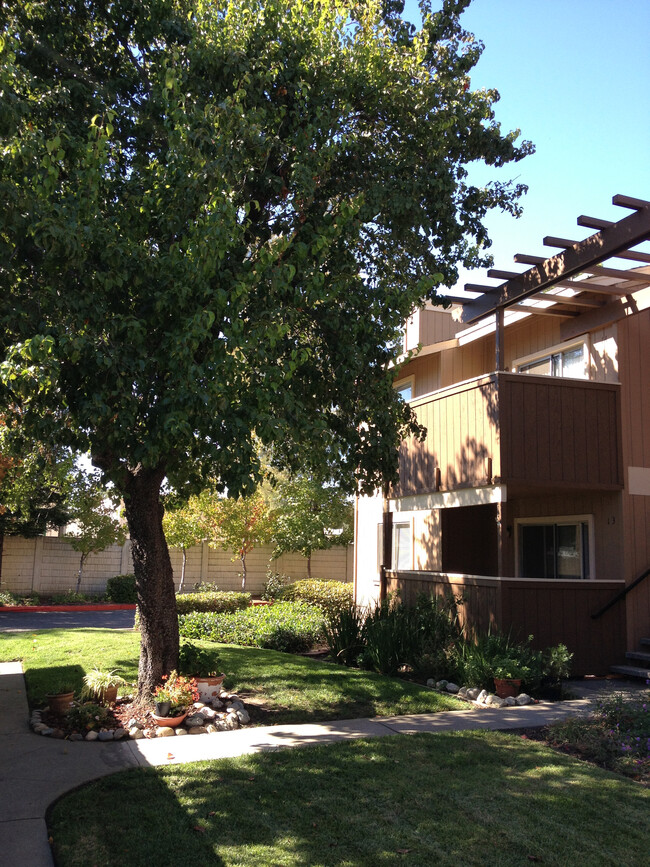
x,y
135,732
91,736
232,721
46,732
510,701
481,697
523,699
452,687
462,692
473,692
431,682
58,734
195,720
76,736
243,717
106,735
441,684
494,701
165,732
211,728
118,734
180,731
197,730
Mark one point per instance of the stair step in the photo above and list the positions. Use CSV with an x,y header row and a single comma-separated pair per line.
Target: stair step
x,y
645,642
631,671
643,658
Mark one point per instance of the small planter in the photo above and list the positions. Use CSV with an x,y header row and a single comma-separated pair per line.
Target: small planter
x,y
171,721
506,687
108,695
60,702
209,687
162,708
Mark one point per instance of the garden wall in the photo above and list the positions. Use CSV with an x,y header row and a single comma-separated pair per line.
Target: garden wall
x,y
48,564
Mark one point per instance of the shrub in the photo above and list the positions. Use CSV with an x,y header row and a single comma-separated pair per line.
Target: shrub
x,y
289,626
330,596
497,654
196,661
344,634
70,597
219,601
274,585
87,717
205,587
7,598
121,589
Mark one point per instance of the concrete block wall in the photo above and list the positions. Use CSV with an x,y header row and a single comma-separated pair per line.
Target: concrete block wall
x,y
49,565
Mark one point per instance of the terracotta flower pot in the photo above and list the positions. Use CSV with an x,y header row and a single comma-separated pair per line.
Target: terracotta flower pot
x,y
108,695
171,721
60,702
209,687
506,687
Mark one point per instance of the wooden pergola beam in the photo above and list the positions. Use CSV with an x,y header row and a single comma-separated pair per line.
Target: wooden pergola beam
x,y
578,258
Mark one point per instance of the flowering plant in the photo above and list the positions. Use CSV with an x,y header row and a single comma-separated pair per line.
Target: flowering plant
x,y
179,691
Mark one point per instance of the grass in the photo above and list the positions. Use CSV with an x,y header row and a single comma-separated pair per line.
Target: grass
x,y
461,798
277,687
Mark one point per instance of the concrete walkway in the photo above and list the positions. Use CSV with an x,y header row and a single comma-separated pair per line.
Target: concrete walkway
x,y
34,770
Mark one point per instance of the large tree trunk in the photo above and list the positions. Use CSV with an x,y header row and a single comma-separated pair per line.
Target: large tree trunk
x,y
154,580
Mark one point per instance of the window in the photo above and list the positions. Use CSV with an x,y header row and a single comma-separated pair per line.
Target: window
x,y
565,362
557,548
405,389
402,546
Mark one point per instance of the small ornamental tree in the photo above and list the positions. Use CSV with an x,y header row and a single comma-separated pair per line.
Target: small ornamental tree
x,y
239,524
184,527
310,517
93,513
215,219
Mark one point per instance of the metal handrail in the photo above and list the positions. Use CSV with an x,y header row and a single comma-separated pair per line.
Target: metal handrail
x,y
623,593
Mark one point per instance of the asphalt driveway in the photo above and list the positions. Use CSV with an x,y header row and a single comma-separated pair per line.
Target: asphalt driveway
x,y
29,621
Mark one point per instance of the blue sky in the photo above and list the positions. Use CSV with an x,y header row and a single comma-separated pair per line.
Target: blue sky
x,y
574,76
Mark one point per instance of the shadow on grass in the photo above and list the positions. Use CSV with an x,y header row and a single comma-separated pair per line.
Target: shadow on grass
x,y
427,799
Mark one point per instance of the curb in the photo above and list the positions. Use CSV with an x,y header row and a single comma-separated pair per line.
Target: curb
x,y
21,609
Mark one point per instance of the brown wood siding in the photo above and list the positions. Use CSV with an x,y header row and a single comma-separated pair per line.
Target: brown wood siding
x,y
634,370
552,612
536,430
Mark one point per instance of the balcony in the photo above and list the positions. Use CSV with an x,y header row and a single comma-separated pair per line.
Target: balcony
x,y
527,432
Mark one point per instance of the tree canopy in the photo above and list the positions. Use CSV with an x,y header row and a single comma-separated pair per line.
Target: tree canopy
x,y
216,217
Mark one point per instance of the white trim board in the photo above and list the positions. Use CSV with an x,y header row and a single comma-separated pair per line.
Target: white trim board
x,y
450,499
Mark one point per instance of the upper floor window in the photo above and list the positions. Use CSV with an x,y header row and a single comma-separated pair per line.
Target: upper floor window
x,y
405,388
571,362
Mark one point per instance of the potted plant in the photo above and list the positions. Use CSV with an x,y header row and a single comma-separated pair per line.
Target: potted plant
x,y
101,686
203,664
173,699
508,673
60,697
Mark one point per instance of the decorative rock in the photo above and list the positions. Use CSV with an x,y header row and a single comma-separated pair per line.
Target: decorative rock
x,y
181,731
39,727
133,722
208,713
452,687
235,704
232,721
243,717
494,701
220,725
75,736
165,732
118,734
58,734
198,705
481,697
106,735
211,728
46,732
197,730
441,684
431,682
473,692
510,701
462,692
91,736
135,733
195,720
523,699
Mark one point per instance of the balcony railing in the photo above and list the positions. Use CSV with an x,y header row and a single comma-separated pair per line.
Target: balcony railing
x,y
515,429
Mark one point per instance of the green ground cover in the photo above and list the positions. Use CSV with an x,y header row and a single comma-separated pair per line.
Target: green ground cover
x,y
277,687
468,798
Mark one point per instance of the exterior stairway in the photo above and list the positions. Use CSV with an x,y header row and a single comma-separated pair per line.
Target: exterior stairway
x,y
639,662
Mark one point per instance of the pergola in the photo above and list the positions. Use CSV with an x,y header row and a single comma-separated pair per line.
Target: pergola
x,y
573,284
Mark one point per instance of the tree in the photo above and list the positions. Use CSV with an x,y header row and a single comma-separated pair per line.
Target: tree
x,y
184,526
216,217
239,524
310,517
93,512
34,489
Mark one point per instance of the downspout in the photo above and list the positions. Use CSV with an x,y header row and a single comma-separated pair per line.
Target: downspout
x,y
387,546
355,570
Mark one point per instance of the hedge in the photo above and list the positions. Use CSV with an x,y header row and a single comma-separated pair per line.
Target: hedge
x,y
218,602
289,626
332,597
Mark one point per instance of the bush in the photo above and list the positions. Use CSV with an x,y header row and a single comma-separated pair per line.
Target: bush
x,y
196,661
7,598
71,597
219,601
344,634
288,626
121,589
498,655
205,587
331,597
274,585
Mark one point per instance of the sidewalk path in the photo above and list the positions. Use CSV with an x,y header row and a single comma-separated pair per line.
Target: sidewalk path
x,y
34,770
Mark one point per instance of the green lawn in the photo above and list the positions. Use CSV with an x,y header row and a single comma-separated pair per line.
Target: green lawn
x,y
447,799
276,687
